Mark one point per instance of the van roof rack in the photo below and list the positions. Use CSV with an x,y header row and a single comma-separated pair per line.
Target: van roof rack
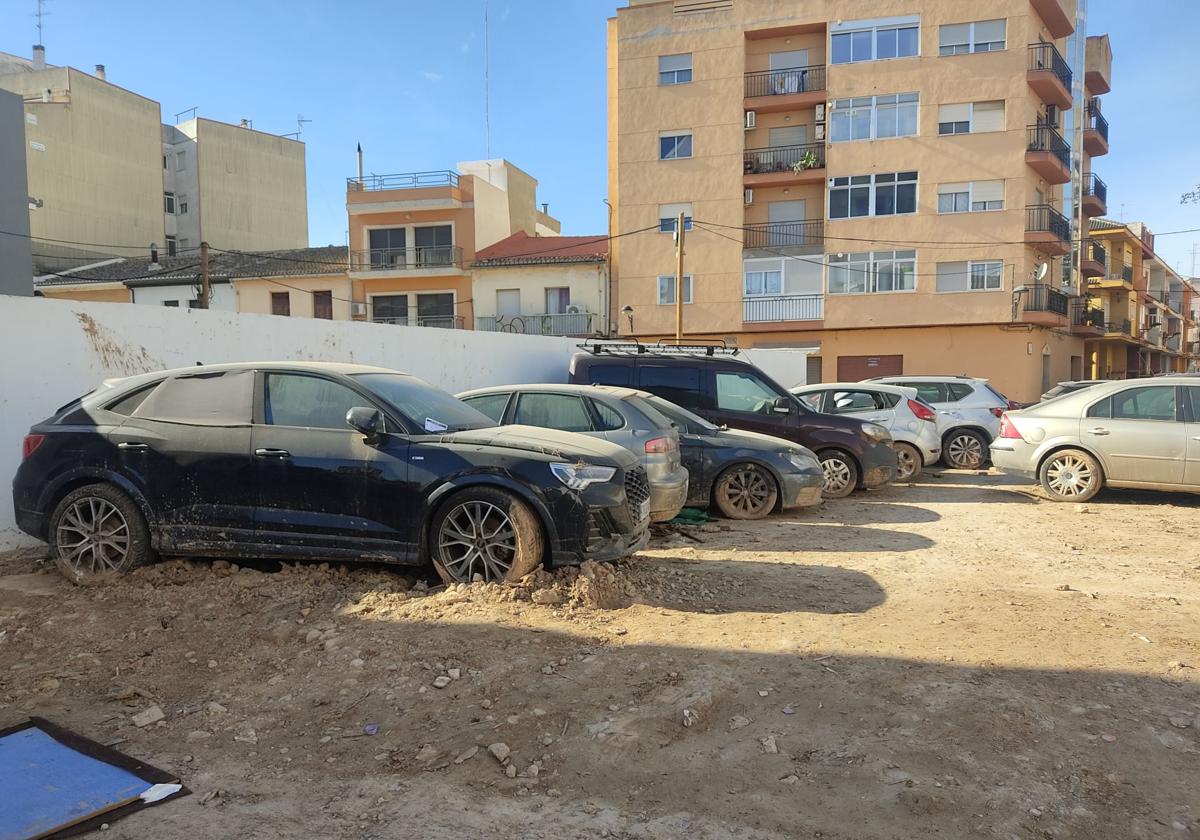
x,y
635,347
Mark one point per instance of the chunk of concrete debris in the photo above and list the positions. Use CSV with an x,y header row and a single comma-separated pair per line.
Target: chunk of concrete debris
x,y
738,722
769,745
144,718
548,597
1180,722
454,673
466,755
214,708
511,771
690,717
441,682
197,735
427,753
500,751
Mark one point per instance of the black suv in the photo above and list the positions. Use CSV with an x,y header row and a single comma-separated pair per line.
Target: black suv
x,y
318,461
732,392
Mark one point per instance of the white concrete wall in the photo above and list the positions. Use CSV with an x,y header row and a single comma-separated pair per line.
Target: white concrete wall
x,y
223,295
68,347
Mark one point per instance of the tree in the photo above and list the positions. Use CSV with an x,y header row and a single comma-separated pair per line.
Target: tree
x,y
1192,197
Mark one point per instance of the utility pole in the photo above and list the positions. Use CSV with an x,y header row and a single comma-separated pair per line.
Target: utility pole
x,y
204,285
679,279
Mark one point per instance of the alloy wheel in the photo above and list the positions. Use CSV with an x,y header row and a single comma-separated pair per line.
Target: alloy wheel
x,y
93,536
748,491
965,451
477,538
907,461
837,474
1069,476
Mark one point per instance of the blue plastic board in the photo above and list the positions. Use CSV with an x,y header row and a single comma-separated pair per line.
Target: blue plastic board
x,y
46,785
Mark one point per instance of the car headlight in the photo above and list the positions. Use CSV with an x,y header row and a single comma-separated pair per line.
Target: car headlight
x,y
876,432
582,476
802,460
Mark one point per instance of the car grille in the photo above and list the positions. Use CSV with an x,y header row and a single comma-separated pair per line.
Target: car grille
x,y
637,488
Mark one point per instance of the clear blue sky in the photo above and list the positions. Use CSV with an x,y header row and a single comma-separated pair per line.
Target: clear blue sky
x,y
405,78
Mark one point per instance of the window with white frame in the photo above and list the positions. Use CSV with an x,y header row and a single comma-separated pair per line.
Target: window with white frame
x,y
975,37
668,217
675,69
875,40
763,278
881,194
970,276
674,145
169,203
971,117
873,117
970,197
872,272
666,289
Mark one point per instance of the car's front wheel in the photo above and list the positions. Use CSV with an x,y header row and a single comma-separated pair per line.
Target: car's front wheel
x,y
909,461
485,534
746,491
841,474
1071,476
97,531
965,449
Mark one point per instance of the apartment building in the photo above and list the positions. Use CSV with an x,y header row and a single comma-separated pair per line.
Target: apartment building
x,y
16,263
414,238
879,181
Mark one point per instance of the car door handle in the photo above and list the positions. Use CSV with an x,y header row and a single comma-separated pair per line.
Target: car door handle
x,y
1098,432
137,447
272,453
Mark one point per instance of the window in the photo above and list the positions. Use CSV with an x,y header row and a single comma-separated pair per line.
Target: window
x,y
958,391
872,272
172,247
281,303
181,160
971,117
981,276
558,298
954,198
564,412
216,399
610,419
812,400
675,69
164,163
666,289
766,282
311,402
738,391
971,197
1193,396
194,303
169,203
435,245
618,375
128,404
848,402
987,276
182,205
492,405
323,305
930,392
174,303
883,194
668,217
387,247
677,384
866,118
390,309
1151,403
675,146
875,40
980,36
436,310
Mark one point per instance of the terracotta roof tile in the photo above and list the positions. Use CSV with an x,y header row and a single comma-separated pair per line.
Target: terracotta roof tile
x,y
523,249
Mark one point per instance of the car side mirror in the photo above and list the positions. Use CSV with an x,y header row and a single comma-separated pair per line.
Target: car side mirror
x,y
369,421
783,405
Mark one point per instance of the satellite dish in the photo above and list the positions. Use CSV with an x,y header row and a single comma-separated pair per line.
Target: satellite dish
x,y
1042,271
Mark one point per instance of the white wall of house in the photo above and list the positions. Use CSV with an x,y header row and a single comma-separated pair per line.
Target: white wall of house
x,y
223,296
585,280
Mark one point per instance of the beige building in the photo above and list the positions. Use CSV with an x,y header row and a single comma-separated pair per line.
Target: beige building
x,y
877,180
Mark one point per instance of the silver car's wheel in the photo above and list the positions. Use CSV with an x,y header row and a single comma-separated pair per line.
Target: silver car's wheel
x,y
486,534
746,492
1071,476
97,531
841,474
909,462
966,450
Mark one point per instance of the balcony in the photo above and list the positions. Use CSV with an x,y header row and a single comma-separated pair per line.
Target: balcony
x,y
1048,154
1095,130
403,181
1095,196
805,236
1085,320
1049,75
1173,343
1045,305
1119,328
1094,259
789,89
1098,65
545,323
779,308
1059,20
784,165
428,258
445,322
1047,230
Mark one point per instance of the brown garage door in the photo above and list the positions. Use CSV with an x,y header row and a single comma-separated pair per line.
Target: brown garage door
x,y
858,368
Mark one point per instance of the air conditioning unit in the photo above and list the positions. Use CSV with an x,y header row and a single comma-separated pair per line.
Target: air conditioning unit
x,y
748,195
576,309
358,309
819,132
751,120
820,112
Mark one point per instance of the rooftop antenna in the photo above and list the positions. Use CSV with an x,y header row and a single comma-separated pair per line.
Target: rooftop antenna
x,y
40,14
487,98
300,121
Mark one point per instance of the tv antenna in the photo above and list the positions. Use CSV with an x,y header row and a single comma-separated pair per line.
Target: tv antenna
x,y
300,121
40,14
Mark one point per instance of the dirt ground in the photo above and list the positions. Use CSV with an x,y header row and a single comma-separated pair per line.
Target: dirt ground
x,y
953,659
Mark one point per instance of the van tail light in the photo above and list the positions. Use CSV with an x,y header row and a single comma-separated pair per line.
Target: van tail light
x,y
923,412
30,445
997,412
661,446
1008,430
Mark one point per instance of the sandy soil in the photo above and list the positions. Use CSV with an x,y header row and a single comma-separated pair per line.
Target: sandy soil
x,y
953,659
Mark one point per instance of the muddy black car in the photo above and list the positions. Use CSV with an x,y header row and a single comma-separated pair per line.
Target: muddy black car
x,y
317,461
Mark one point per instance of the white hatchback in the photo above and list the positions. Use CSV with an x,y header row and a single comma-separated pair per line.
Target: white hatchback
x,y
912,422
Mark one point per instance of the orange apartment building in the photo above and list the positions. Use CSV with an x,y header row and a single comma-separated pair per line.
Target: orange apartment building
x,y
876,180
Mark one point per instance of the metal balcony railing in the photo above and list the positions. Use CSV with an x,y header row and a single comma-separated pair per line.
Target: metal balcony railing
x,y
785,234
545,323
406,259
1084,316
1047,57
1095,120
448,322
1127,274
1045,138
784,158
403,181
783,308
1042,298
1096,252
785,81
1042,218
1119,327
1092,185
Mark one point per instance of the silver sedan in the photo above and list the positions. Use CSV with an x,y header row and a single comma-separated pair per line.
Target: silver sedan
x,y
1140,433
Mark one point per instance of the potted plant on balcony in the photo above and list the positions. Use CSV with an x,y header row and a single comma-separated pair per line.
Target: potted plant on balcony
x,y
808,160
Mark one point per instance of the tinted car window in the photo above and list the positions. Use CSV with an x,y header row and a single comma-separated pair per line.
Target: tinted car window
x,y
738,391
1152,403
425,407
564,412
1101,409
609,418
680,385
681,417
621,375
932,392
129,403
959,391
845,402
216,399
1193,396
492,405
812,400
292,399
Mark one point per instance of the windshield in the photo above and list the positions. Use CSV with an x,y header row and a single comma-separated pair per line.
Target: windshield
x,y
681,417
423,406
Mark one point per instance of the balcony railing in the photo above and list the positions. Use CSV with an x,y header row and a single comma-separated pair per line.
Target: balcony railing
x,y
1042,298
1172,343
789,80
558,323
1045,138
1119,327
785,234
403,181
1042,218
783,308
1095,120
1084,316
406,259
1127,274
447,322
1092,185
784,159
1047,57
1096,252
